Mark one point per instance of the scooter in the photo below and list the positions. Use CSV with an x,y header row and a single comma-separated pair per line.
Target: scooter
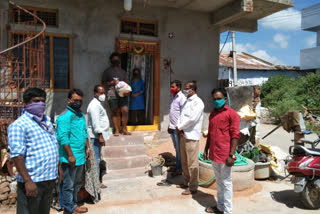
x,y
304,165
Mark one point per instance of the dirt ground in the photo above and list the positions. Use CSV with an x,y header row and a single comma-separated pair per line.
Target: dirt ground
x,y
142,195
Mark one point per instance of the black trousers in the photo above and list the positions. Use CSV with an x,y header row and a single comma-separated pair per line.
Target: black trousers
x,y
35,205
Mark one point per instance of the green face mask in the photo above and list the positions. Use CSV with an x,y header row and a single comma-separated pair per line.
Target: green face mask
x,y
218,103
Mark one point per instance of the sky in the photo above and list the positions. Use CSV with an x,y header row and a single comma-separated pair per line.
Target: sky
x,y
279,37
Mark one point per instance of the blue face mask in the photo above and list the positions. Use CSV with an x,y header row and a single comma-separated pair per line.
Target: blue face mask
x,y
218,103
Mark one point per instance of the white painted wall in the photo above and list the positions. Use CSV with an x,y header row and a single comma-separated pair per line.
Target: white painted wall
x,y
253,77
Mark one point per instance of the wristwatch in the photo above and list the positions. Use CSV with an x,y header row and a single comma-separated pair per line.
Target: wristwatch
x,y
232,156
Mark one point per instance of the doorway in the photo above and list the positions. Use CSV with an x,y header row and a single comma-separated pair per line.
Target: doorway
x,y
145,56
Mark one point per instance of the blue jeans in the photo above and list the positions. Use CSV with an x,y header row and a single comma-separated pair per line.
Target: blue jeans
x,y
97,151
176,142
70,186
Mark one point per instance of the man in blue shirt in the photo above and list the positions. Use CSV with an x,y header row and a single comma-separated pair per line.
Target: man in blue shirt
x,y
34,150
73,150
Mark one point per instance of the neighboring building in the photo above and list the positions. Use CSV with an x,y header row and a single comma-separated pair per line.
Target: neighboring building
x,y
309,58
251,70
81,34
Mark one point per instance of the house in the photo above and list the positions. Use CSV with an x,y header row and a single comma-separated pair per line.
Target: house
x,y
310,21
251,70
154,35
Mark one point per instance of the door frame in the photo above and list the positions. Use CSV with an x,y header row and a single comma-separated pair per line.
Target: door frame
x,y
155,46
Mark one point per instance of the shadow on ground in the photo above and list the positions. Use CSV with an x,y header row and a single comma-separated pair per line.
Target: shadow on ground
x,y
204,199
288,197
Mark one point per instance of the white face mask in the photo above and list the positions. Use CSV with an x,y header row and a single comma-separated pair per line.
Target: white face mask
x,y
186,92
102,98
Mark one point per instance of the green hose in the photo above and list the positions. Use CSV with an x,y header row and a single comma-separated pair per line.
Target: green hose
x,y
239,162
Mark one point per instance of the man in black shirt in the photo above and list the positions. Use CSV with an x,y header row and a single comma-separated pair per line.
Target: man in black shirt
x,y
111,76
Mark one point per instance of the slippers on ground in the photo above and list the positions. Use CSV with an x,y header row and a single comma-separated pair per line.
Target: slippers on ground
x,y
213,210
163,184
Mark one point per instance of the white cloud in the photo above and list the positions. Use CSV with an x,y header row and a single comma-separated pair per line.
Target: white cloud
x,y
281,39
289,19
253,50
247,47
311,41
265,56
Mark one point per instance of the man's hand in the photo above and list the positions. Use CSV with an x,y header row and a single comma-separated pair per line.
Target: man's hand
x,y
134,95
60,171
31,189
230,161
102,141
72,160
180,133
205,155
88,153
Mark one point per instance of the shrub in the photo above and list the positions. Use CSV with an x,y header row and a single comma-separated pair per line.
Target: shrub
x,y
282,93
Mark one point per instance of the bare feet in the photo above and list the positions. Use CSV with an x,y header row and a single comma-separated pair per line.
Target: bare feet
x,y
116,133
81,209
102,186
125,132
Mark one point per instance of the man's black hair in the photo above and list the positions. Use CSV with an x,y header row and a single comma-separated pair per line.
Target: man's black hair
x,y
33,92
95,89
193,85
113,55
75,91
177,82
221,90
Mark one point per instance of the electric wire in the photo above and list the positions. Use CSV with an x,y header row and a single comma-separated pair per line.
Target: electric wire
x,y
225,41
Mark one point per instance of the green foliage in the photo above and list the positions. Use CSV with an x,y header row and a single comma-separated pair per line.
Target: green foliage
x,y
282,93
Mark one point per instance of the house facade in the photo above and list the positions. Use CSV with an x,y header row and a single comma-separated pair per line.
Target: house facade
x,y
310,21
251,70
167,40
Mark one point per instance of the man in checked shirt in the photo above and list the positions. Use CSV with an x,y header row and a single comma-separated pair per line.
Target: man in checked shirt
x,y
34,150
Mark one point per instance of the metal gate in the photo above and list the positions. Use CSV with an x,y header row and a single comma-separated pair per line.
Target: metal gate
x,y
22,61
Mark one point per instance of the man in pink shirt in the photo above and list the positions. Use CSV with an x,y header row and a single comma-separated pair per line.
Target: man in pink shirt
x,y
223,136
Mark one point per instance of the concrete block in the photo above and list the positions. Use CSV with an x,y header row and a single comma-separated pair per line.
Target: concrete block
x,y
123,151
125,140
127,162
124,173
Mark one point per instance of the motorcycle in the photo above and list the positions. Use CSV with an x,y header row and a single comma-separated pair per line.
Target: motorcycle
x,y
304,165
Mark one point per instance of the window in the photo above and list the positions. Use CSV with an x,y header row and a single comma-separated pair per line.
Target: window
x,y
58,60
49,16
139,27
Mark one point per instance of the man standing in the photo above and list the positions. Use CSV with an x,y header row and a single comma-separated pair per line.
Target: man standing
x,y
189,128
98,124
118,105
73,150
34,150
223,136
176,105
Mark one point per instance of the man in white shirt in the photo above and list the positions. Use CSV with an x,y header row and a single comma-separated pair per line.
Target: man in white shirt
x,y
98,123
189,128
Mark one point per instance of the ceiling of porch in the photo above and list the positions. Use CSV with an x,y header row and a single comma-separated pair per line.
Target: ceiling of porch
x,y
238,15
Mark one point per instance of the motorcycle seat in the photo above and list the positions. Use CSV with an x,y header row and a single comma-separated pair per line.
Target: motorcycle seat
x,y
310,151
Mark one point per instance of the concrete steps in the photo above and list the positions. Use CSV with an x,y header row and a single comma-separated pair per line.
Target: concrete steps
x,y
125,173
124,151
125,156
127,162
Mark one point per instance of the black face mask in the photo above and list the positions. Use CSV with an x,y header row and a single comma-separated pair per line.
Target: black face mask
x,y
135,75
76,105
115,63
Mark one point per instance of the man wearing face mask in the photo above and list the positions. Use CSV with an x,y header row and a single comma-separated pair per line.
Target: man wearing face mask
x,y
118,105
73,150
177,102
223,136
34,150
189,128
98,124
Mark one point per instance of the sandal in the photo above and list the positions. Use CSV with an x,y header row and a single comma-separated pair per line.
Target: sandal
x,y
213,210
163,184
